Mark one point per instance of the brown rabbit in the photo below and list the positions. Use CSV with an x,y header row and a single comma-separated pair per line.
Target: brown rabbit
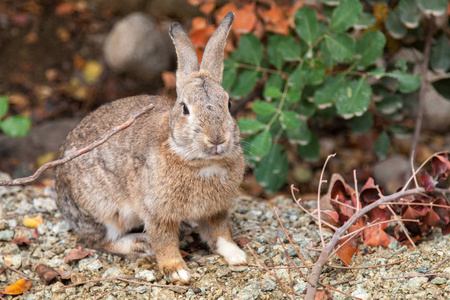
x,y
178,162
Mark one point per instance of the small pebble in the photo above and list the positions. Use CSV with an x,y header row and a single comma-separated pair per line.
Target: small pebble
x,y
261,249
268,285
147,275
439,280
61,227
113,272
91,264
6,235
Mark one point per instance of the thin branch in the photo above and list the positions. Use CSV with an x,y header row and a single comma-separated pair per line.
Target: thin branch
x,y
400,222
356,190
18,272
423,87
101,140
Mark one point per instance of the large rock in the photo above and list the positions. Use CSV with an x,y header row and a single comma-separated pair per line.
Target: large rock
x,y
138,47
392,173
436,110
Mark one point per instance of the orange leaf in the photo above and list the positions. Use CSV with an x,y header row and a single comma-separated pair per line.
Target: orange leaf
x,y
207,7
198,23
21,241
323,295
222,12
20,286
194,2
346,252
168,79
275,20
32,222
78,253
65,9
375,236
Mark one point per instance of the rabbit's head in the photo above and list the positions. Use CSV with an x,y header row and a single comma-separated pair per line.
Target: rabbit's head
x,y
201,126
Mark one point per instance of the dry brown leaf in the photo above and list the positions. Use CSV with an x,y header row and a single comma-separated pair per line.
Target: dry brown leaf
x,y
32,222
346,252
245,19
47,275
207,7
169,79
21,241
222,12
20,286
198,23
275,20
375,236
78,253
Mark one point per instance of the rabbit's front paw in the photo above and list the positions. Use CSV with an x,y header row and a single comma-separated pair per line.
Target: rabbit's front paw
x,y
231,252
183,276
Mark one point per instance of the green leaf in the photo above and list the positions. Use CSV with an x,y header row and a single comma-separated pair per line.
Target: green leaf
x,y
249,126
395,26
263,108
300,135
325,95
4,106
273,51
229,73
306,24
305,109
390,104
271,92
244,84
407,83
331,2
401,65
369,48
272,170
311,71
409,13
260,145
433,7
341,46
16,126
251,49
443,87
289,120
440,54
354,98
365,21
360,125
293,95
345,15
326,55
377,73
290,49
382,145
311,151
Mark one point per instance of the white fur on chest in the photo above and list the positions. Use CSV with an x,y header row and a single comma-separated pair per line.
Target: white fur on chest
x,y
212,171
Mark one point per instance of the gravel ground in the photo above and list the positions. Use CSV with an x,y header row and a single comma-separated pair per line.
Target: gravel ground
x,y
253,221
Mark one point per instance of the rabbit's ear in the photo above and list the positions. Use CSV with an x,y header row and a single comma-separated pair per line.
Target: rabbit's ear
x,y
187,58
213,56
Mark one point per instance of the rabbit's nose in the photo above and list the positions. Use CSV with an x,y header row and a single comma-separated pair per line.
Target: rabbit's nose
x,y
216,141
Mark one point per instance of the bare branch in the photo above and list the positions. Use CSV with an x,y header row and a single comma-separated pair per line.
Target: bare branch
x,y
98,142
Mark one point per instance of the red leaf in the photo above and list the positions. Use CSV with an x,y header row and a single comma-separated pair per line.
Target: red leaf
x,y
427,181
431,218
380,215
415,212
334,215
375,236
275,20
78,253
21,241
369,192
346,252
323,295
242,241
47,275
441,167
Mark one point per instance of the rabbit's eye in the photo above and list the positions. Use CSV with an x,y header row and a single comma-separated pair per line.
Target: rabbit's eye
x,y
229,105
185,110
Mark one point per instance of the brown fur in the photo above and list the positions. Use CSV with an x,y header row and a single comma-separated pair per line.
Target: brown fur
x,y
168,167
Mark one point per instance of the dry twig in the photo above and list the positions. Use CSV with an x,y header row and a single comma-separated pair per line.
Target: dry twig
x,y
95,144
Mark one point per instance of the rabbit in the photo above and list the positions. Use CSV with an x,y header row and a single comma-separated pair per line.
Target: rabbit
x,y
179,162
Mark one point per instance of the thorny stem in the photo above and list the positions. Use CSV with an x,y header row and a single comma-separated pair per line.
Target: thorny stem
x,y
400,222
101,140
319,211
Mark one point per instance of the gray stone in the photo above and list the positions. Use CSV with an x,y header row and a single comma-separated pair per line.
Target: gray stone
x,y
261,249
391,173
90,263
147,275
113,272
6,235
61,227
394,245
268,285
439,280
301,287
137,47
249,293
222,272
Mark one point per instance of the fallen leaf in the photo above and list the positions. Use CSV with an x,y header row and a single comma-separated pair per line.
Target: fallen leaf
x,y
32,222
242,241
21,241
441,167
92,71
207,7
7,259
65,8
275,20
346,252
20,286
78,253
323,295
245,18
375,236
169,79
47,275
222,12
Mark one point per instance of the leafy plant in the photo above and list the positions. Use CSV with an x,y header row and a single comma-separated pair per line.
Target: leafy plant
x,y
15,126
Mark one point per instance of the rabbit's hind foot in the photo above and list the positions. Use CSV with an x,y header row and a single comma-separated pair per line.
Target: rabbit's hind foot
x,y
132,245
